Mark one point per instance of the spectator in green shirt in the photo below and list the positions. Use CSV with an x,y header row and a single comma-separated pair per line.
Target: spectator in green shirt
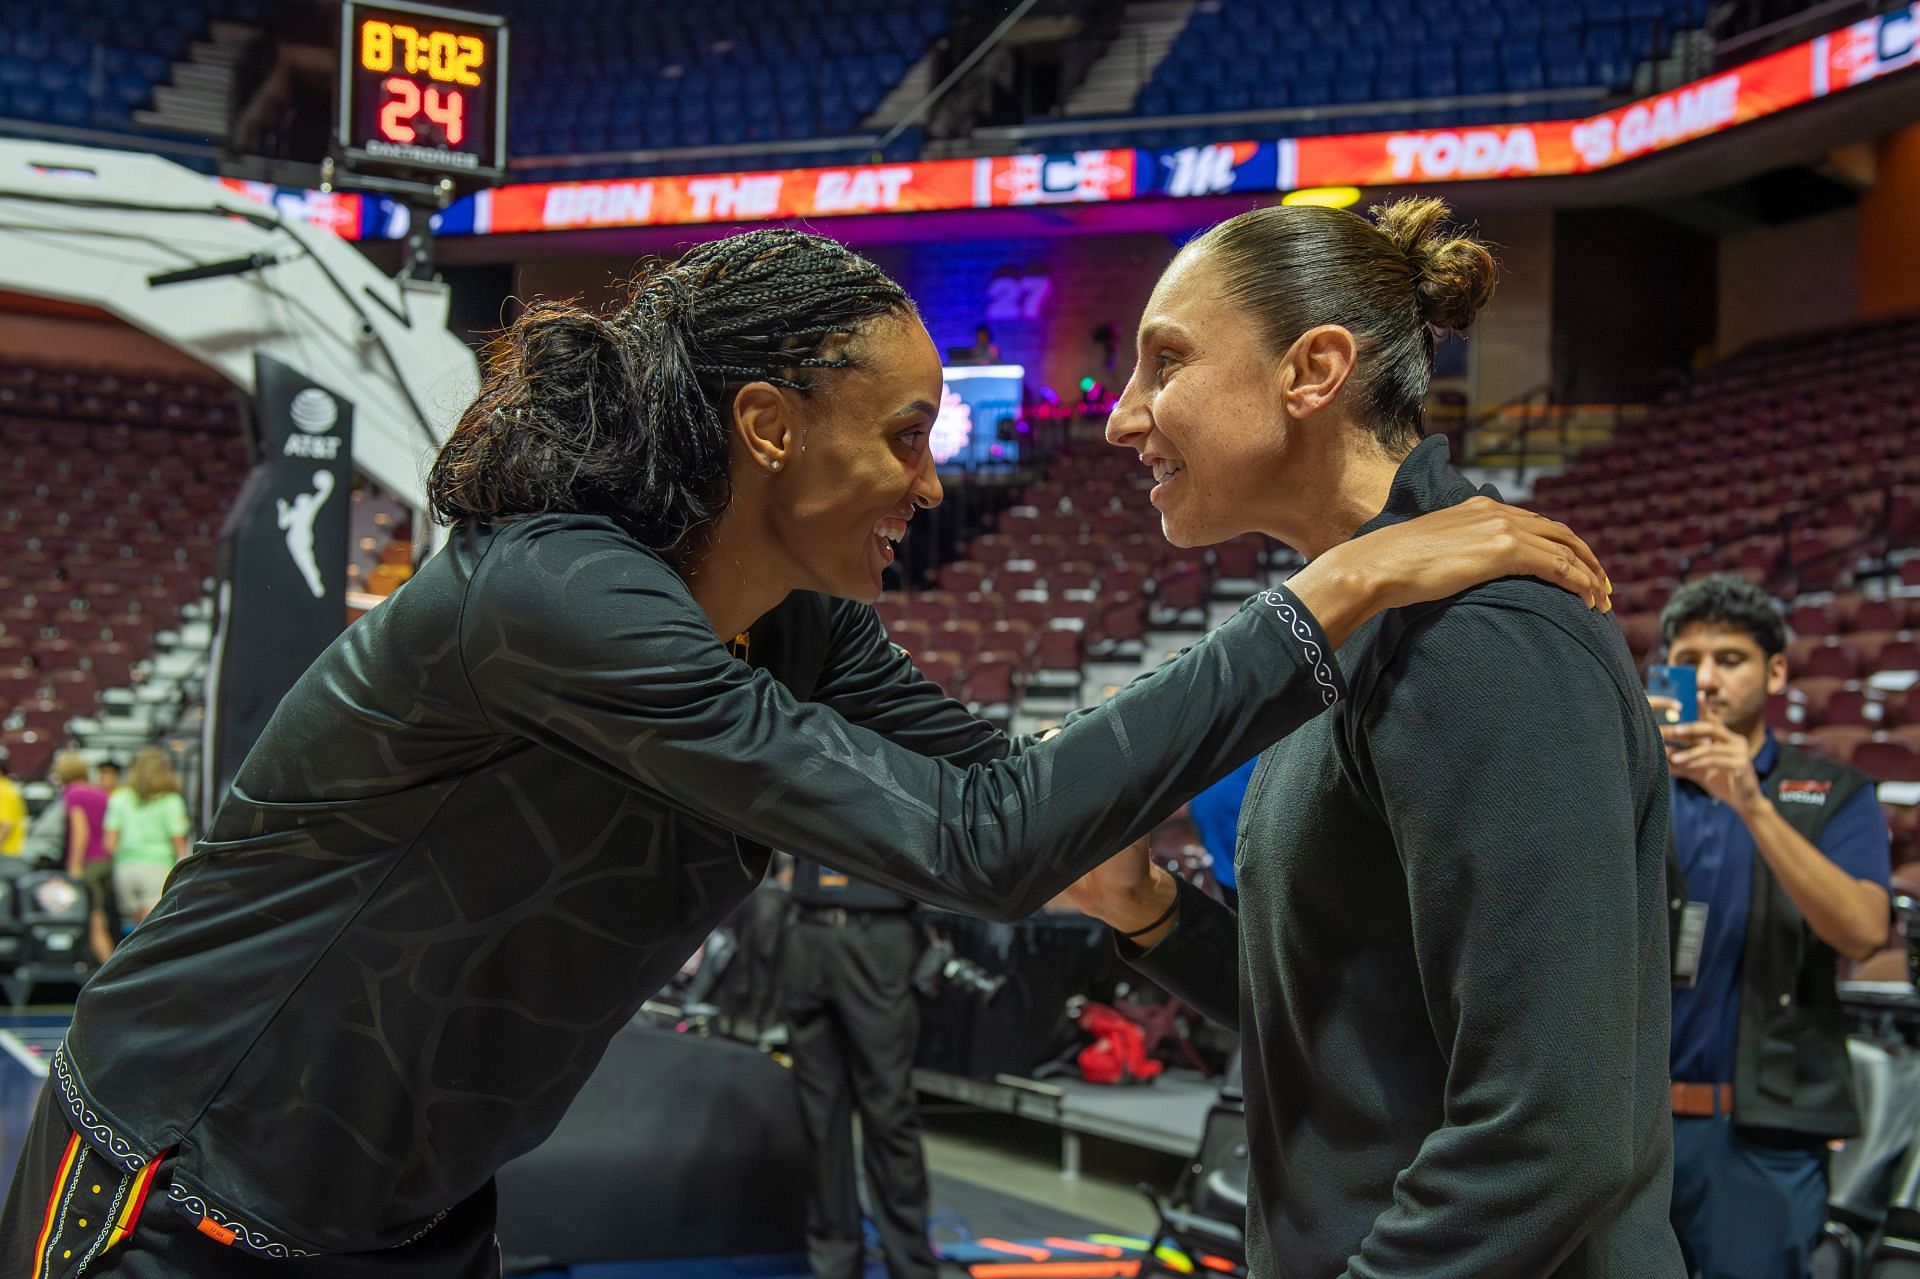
x,y
146,832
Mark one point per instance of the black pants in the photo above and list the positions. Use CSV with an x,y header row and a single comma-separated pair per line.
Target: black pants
x,y
70,1213
851,1012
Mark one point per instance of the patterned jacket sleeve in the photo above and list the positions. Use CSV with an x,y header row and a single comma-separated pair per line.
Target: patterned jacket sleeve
x,y
596,651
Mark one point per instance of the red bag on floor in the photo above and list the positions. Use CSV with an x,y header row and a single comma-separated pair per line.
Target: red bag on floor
x,y
1117,1054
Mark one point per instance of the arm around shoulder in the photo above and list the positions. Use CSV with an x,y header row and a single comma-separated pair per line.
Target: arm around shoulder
x,y
605,657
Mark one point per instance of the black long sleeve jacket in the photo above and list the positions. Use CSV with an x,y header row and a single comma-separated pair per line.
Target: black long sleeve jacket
x,y
1449,968
499,812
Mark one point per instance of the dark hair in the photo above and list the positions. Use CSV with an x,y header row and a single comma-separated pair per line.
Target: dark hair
x,y
1395,283
1725,599
623,416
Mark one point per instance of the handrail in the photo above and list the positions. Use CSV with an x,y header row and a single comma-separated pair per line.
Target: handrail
x,y
1487,415
1783,528
1282,115
1726,52
1541,410
954,77
712,151
869,140
1534,403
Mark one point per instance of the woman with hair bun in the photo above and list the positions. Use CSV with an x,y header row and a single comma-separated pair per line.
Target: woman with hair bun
x,y
1449,965
501,809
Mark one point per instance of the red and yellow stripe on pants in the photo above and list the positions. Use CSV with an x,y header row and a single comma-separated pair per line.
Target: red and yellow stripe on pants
x,y
92,1207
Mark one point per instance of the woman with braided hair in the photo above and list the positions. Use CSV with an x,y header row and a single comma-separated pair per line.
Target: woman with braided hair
x,y
500,810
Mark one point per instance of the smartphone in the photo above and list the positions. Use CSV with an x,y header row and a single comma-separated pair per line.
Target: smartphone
x,y
1682,684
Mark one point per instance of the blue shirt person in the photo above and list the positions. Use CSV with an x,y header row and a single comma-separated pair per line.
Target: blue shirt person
x,y
1750,1177
1216,818
1716,853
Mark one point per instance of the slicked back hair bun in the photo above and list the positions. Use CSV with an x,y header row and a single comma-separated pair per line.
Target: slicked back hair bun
x,y
1396,282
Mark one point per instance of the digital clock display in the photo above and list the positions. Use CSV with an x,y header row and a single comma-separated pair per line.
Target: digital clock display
x,y
423,90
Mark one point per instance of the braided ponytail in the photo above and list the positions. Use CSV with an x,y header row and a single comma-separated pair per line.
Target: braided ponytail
x,y
627,416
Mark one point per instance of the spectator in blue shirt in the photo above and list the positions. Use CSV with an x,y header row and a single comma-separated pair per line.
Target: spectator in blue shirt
x,y
1216,819
1779,865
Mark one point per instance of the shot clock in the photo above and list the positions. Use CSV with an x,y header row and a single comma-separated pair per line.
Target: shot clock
x,y
423,92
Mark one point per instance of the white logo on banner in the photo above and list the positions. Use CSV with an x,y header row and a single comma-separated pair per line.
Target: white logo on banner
x,y
314,411
1201,170
297,518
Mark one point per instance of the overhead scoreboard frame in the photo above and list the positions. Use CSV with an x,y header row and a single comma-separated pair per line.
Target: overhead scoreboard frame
x,y
423,92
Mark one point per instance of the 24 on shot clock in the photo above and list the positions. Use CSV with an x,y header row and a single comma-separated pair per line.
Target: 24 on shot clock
x,y
423,92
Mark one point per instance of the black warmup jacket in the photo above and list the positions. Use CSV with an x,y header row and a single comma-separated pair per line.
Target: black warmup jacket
x,y
500,811
1450,966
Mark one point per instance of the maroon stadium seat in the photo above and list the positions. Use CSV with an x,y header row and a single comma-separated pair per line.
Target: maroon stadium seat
x,y
1900,655
1855,704
1013,635
1238,559
1123,619
1843,740
1814,619
990,679
942,668
1887,760
1058,650
962,576
29,753
1832,657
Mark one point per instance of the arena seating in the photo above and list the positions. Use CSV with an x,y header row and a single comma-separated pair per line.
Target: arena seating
x,y
659,77
701,79
1078,572
47,74
1796,465
112,488
656,75
637,76
1252,53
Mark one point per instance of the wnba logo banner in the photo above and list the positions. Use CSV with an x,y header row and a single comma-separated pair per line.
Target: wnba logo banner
x,y
283,561
1215,169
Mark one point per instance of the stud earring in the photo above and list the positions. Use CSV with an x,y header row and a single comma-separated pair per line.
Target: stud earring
x,y
776,464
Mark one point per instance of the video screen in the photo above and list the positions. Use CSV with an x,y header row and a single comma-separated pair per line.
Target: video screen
x,y
979,417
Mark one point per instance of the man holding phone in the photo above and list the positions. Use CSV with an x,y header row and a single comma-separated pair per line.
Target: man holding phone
x,y
1779,863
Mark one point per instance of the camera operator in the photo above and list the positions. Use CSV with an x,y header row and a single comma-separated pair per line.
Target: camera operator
x,y
1778,863
848,972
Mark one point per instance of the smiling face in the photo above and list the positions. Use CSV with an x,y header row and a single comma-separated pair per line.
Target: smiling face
x,y
855,458
1204,410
